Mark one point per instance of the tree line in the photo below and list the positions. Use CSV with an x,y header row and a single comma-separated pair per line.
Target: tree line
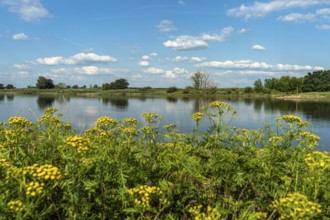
x,y
45,83
318,81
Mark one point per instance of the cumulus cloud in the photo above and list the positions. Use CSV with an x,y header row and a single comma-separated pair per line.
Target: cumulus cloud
x,y
88,70
261,9
188,59
144,63
225,33
21,66
28,10
20,36
153,54
188,42
171,74
166,26
145,57
249,64
77,59
320,14
153,70
258,47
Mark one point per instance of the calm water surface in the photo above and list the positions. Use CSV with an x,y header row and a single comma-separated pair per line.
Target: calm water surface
x,y
82,112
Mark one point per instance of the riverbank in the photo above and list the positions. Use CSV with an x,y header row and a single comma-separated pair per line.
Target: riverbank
x,y
164,92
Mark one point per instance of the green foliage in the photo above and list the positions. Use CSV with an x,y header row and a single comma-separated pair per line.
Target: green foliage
x,y
318,81
10,86
44,83
172,89
117,84
127,170
2,86
258,86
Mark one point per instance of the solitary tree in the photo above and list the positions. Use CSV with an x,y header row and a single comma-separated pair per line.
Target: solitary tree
x,y
44,83
202,80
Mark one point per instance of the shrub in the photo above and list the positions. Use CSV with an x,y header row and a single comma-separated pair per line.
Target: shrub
x,y
172,89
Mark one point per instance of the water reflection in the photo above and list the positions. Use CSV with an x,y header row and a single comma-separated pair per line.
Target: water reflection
x,y
117,102
2,98
172,99
10,97
45,102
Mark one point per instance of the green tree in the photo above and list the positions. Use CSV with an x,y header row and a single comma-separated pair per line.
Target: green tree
x,y
2,86
10,86
44,83
258,86
318,81
119,84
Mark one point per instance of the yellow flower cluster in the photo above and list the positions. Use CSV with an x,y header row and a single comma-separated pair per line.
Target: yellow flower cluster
x,y
296,206
129,131
197,116
318,160
130,121
34,188
211,213
310,136
275,139
291,119
106,121
47,118
86,161
220,105
41,172
50,111
151,117
19,121
46,172
143,194
4,163
78,142
16,206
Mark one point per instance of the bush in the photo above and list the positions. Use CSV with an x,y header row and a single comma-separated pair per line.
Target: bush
x,y
121,170
172,89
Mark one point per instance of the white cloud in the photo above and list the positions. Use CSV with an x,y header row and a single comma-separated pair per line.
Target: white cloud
x,y
319,14
88,70
297,17
261,9
145,57
28,10
154,70
80,58
21,66
258,47
171,74
188,59
243,30
186,42
249,64
166,26
225,33
144,63
153,54
20,36
323,27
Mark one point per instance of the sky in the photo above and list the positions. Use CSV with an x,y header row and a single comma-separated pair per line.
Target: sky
x,y
161,43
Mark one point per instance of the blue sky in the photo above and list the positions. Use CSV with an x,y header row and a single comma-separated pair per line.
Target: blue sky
x,y
161,43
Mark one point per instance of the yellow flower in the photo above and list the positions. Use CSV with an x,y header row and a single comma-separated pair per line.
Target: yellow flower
x,y
197,116
16,206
